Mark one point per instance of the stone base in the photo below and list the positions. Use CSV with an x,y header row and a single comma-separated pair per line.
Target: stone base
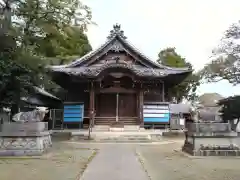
x,y
211,139
206,147
25,145
188,148
173,133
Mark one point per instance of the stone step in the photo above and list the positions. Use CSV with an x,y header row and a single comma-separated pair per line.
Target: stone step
x,y
125,121
131,127
125,137
100,128
120,137
128,128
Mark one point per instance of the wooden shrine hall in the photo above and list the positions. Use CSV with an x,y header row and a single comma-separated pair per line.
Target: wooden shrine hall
x,y
116,84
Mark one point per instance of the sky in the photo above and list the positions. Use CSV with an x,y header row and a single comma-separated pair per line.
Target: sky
x,y
193,27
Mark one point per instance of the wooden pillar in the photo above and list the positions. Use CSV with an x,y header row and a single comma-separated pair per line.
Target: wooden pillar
x,y
163,92
141,100
92,105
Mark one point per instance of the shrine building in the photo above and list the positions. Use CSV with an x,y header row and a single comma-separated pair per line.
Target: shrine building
x,y
117,85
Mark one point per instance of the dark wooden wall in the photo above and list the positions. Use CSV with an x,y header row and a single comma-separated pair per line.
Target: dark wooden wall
x,y
154,95
109,58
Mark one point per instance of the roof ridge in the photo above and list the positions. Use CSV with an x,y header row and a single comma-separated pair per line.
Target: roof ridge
x,y
83,58
118,33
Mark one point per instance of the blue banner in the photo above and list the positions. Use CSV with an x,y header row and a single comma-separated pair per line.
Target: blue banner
x,y
73,113
156,113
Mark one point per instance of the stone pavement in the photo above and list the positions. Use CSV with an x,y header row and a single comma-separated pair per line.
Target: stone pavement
x,y
115,162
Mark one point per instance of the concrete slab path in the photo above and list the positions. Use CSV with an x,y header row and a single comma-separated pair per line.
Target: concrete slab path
x,y
115,162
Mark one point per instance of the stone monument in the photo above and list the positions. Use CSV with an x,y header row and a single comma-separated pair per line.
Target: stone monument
x,y
211,139
26,136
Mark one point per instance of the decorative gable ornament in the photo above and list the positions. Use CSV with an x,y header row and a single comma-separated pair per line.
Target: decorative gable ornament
x,y
117,46
116,32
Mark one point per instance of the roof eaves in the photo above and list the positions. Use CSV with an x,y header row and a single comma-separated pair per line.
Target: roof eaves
x,y
45,93
134,48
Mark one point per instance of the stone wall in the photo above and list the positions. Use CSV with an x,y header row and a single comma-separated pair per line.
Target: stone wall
x,y
211,139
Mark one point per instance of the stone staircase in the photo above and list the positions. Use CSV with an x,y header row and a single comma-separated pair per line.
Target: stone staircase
x,y
107,136
117,137
101,128
123,138
112,120
102,121
129,120
125,128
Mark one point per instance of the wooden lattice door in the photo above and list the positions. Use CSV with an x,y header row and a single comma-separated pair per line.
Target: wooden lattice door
x,y
127,105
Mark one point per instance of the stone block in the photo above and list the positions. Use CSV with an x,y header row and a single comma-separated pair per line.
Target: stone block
x,y
209,127
20,146
27,127
24,134
211,139
212,134
21,139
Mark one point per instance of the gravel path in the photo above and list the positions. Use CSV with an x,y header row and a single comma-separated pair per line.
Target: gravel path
x,y
115,162
167,162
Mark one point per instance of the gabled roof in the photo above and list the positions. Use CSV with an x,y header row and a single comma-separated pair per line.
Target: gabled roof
x,y
41,91
138,71
118,35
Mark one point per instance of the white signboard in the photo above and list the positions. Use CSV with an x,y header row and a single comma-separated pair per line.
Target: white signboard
x,y
182,122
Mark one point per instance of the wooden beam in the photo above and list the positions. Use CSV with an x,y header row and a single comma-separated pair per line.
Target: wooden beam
x,y
116,90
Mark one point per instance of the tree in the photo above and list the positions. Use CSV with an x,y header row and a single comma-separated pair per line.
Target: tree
x,y
230,111
43,33
52,32
225,61
186,89
14,77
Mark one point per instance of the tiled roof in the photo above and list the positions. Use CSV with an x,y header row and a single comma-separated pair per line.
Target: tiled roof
x,y
139,71
117,33
44,93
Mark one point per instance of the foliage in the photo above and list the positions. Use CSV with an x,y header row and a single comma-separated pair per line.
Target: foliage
x,y
230,111
187,89
14,78
225,63
43,33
